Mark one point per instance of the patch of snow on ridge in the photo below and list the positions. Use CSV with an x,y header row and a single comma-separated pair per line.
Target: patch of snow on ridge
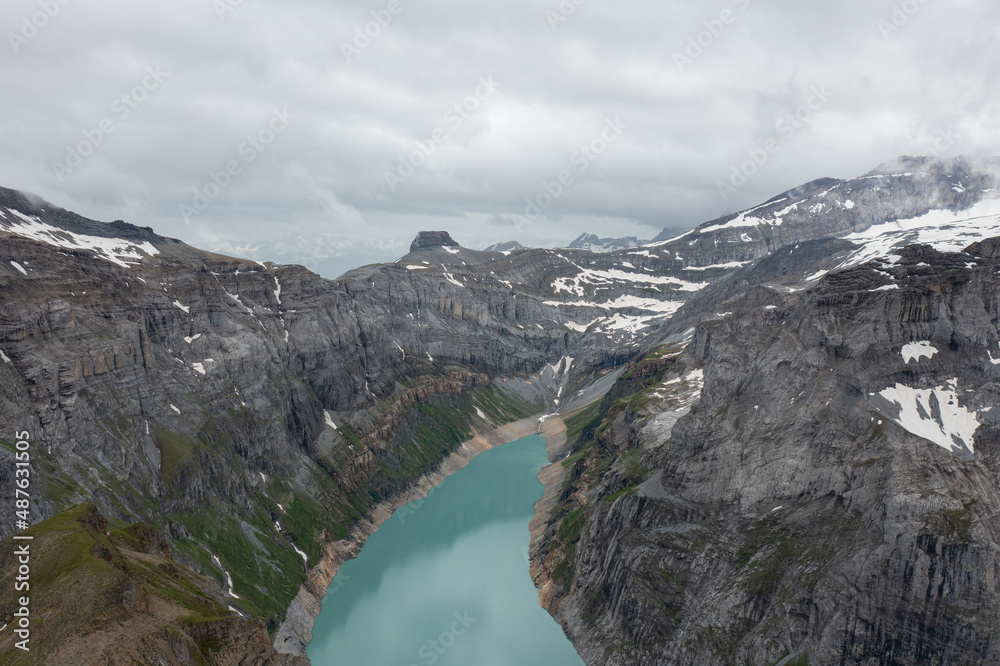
x,y
816,276
944,230
625,302
575,284
744,219
580,328
935,415
994,361
304,557
19,267
116,250
451,278
186,308
329,419
731,264
918,350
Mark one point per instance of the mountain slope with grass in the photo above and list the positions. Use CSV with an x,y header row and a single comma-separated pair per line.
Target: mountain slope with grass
x,y
101,594
255,413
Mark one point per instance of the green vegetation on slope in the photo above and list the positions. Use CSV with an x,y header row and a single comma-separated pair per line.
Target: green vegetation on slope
x,y
88,583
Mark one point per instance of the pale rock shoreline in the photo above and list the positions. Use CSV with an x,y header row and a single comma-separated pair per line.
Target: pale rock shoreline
x,y
295,633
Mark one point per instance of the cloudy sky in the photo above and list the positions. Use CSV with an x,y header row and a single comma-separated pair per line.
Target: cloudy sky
x,y
329,133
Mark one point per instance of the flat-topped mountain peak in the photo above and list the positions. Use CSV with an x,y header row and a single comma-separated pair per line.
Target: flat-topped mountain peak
x,y
426,240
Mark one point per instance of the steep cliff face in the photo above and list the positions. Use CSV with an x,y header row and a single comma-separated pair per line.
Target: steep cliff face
x,y
256,412
253,411
812,474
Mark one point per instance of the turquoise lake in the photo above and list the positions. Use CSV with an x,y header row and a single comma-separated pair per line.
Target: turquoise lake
x,y
445,581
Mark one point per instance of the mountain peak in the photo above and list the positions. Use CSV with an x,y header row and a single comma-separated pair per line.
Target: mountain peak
x,y
594,243
430,239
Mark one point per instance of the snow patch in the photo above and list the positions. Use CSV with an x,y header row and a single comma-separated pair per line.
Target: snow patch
x,y
19,267
944,230
277,290
817,276
935,415
185,308
730,265
329,419
575,285
918,350
116,250
451,278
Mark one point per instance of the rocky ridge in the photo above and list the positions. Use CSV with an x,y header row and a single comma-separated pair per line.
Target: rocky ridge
x,y
259,413
809,475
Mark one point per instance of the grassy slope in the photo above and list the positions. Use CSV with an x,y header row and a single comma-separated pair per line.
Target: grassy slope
x,y
266,570
86,580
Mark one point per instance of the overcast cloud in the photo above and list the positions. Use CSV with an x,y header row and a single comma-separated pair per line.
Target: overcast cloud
x,y
309,119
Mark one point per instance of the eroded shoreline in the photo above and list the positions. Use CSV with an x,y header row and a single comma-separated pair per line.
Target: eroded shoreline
x,y
551,476
295,633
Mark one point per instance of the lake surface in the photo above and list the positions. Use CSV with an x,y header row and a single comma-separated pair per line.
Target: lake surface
x,y
445,581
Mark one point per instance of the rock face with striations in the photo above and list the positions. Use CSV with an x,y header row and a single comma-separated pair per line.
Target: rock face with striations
x,y
740,498
430,239
812,474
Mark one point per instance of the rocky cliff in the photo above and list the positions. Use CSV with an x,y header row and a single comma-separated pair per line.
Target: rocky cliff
x,y
257,413
809,475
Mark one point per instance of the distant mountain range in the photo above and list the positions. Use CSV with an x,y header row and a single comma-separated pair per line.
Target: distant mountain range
x,y
588,242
